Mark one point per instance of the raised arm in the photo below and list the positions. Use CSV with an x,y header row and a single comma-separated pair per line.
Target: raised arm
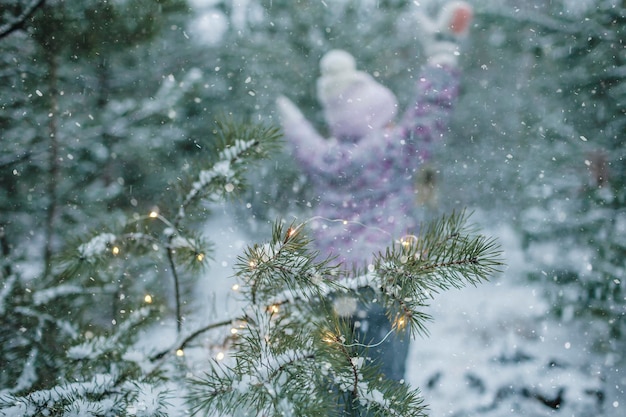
x,y
314,152
426,120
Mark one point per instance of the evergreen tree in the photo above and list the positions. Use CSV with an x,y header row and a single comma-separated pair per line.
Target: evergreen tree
x,y
548,80
96,251
578,55
292,341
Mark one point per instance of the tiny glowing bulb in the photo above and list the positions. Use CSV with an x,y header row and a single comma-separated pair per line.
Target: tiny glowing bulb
x,y
115,250
408,240
153,214
148,299
273,309
328,337
252,264
235,287
400,323
219,356
345,222
234,331
200,257
180,353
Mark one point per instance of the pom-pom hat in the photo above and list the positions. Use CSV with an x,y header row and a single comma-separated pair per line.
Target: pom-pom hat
x,y
354,103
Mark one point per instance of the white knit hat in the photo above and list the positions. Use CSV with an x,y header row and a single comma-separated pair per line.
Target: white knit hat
x,y
354,103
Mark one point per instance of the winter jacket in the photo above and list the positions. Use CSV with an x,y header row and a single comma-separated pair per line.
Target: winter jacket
x,y
365,183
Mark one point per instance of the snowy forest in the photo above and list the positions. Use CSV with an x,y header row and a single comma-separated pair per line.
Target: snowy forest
x,y
162,251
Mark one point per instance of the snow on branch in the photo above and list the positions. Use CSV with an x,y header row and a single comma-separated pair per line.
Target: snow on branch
x,y
293,328
101,345
61,397
238,145
7,289
18,22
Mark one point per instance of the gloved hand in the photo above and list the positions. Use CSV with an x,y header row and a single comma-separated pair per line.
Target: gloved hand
x,y
441,36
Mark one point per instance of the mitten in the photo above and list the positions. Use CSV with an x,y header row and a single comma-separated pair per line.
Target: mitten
x,y
441,36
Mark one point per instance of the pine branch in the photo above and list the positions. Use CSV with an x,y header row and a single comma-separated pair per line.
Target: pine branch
x,y
447,254
237,146
184,341
289,298
18,22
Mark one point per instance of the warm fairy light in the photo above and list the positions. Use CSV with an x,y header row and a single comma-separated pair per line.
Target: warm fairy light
x,y
408,240
328,337
200,257
345,222
180,353
400,323
252,264
115,250
235,287
273,308
153,214
148,299
234,331
220,356
291,232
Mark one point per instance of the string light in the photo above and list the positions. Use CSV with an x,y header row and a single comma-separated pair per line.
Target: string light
x,y
115,250
400,322
200,257
235,287
329,337
273,309
180,353
147,299
290,233
252,264
220,356
234,331
408,240
153,214
370,345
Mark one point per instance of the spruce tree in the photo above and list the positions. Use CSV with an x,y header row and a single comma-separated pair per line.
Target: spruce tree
x,y
99,238
293,351
574,217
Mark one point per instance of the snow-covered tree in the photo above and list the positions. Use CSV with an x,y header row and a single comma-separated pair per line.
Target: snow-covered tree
x,y
572,188
292,341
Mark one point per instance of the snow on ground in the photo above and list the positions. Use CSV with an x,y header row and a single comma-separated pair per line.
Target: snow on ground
x,y
493,350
